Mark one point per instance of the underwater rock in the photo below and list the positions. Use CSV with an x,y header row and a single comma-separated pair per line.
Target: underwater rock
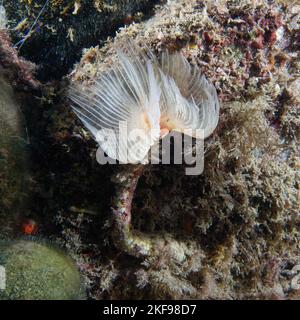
x,y
240,218
36,271
52,34
16,80
13,156
231,233
9,111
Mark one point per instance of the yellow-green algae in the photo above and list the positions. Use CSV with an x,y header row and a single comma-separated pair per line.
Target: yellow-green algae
x,y
36,271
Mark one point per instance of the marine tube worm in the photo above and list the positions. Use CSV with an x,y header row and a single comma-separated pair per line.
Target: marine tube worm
x,y
129,241
153,97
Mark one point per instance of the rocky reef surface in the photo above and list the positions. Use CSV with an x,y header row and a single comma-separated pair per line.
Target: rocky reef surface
x,y
230,233
52,33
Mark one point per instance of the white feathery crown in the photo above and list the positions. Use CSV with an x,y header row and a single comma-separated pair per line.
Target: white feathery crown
x,y
155,97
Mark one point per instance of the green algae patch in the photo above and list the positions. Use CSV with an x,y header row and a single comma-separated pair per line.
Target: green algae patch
x,y
36,271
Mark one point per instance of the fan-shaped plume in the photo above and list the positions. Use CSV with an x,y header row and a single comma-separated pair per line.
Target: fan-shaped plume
x,y
121,109
197,105
176,111
140,99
